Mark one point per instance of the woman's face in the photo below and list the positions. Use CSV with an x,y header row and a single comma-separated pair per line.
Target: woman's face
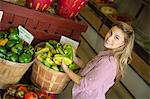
x,y
114,38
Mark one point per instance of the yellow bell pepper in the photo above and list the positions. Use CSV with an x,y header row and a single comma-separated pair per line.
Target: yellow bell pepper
x,y
3,41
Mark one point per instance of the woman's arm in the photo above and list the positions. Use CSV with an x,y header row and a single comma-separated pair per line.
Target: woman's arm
x,y
78,61
76,78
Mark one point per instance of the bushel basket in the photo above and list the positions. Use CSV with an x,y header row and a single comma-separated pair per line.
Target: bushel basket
x,y
12,72
48,79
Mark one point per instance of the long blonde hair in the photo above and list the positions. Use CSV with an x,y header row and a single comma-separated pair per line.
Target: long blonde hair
x,y
123,53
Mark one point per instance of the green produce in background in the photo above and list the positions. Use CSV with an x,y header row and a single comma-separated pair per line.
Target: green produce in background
x,y
29,50
14,34
14,30
53,43
55,67
3,50
17,48
73,66
13,48
8,55
39,57
12,56
20,94
52,54
49,55
48,62
68,50
58,59
3,34
43,50
49,46
59,49
2,55
10,44
60,69
25,58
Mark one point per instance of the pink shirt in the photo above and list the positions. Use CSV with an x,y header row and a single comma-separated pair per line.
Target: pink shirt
x,y
98,76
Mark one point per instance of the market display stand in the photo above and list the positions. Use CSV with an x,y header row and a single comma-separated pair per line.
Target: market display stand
x,y
42,25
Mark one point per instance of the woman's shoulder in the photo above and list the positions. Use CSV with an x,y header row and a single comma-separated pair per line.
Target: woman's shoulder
x,y
109,60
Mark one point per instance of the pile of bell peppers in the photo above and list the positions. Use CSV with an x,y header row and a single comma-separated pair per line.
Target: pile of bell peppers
x,y
25,91
13,48
52,54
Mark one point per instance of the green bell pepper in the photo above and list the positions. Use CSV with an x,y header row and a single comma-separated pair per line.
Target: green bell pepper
x,y
25,58
58,59
3,34
8,55
29,49
59,50
68,50
20,94
53,43
10,44
13,30
14,34
43,50
12,56
60,69
48,62
3,50
55,67
49,46
17,48
49,55
73,66
40,58
2,55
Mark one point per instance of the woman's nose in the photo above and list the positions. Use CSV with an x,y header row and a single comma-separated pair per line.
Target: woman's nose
x,y
110,38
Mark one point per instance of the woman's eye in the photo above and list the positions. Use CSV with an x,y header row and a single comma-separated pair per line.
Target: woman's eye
x,y
116,37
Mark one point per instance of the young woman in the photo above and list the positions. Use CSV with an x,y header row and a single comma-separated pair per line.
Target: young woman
x,y
107,67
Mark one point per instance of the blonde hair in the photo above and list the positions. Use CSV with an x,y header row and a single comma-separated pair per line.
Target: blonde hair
x,y
123,53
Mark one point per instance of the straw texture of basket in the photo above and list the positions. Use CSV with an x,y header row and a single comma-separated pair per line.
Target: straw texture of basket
x,y
11,72
52,81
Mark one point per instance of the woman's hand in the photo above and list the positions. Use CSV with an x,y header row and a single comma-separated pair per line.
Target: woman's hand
x,y
64,66
76,78
78,61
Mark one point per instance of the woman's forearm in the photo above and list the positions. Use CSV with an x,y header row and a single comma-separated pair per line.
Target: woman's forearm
x,y
76,78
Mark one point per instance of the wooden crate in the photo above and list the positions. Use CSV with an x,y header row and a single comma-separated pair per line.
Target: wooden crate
x,y
42,25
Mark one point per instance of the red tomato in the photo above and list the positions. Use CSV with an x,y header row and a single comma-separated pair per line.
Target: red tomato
x,y
30,95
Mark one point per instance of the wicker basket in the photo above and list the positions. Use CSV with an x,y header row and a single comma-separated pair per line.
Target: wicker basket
x,y
11,72
52,81
49,79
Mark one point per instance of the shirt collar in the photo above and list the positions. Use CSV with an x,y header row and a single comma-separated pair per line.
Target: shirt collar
x,y
105,53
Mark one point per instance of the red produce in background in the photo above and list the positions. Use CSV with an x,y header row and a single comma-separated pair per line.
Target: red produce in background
x,y
40,5
70,8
